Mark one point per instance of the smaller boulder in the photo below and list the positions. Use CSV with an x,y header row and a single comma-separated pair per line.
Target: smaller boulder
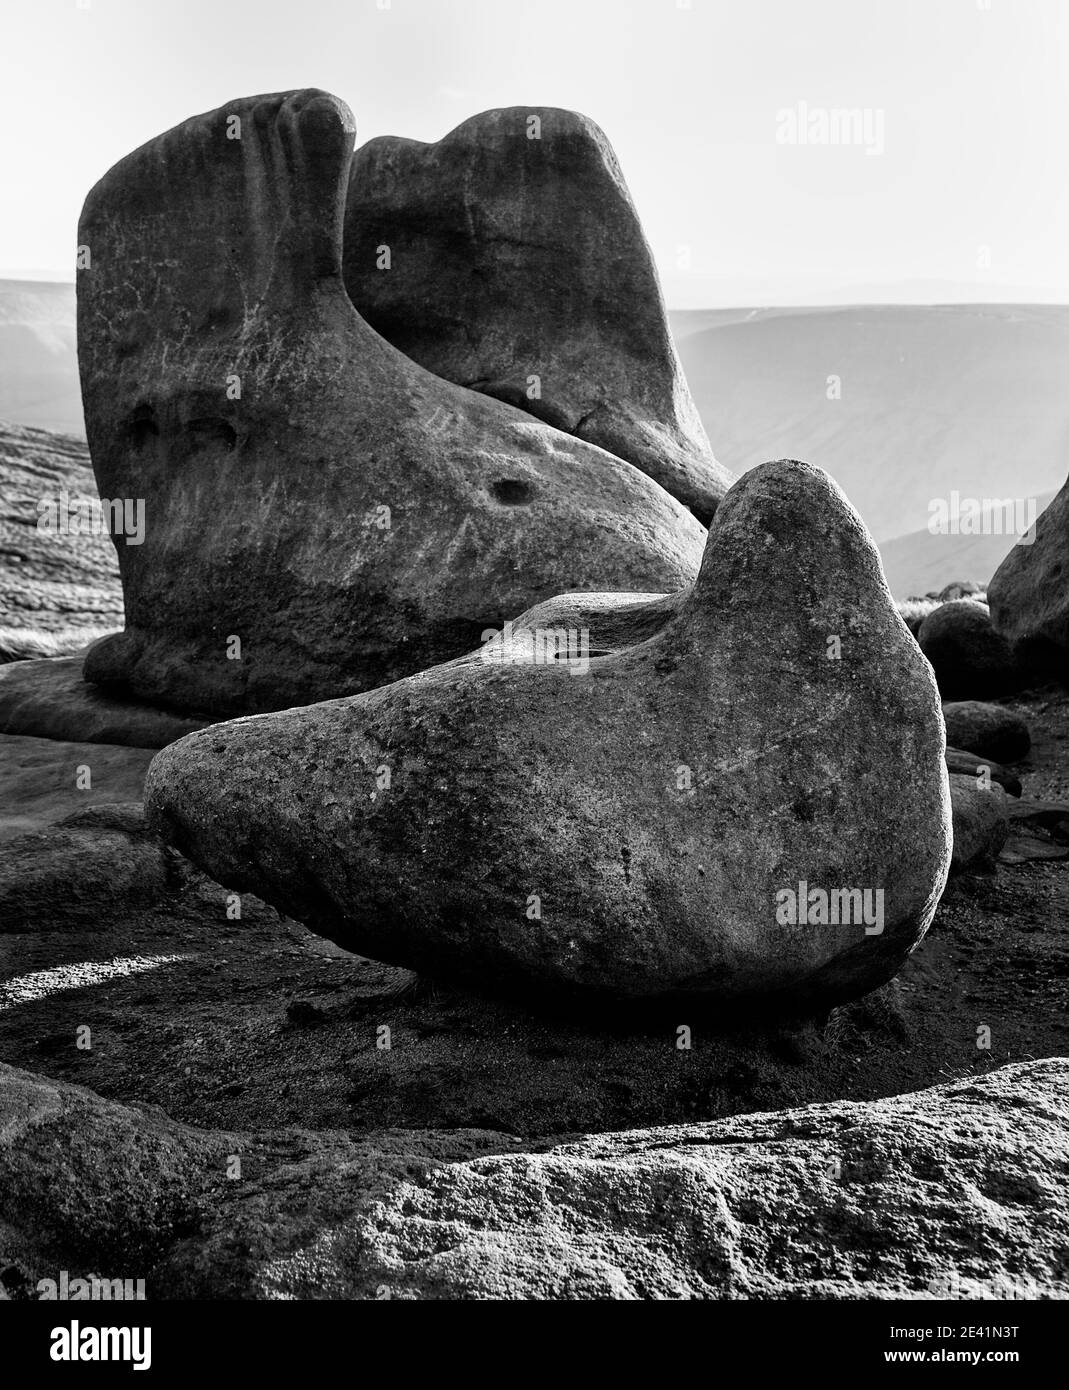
x,y
970,659
989,731
981,823
969,765
960,588
103,854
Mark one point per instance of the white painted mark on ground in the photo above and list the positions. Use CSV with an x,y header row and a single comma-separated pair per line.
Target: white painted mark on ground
x,y
25,989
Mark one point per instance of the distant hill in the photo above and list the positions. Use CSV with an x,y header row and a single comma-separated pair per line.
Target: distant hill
x,y
920,562
970,398
39,355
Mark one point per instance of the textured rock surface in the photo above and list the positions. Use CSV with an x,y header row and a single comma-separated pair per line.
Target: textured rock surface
x,y
630,830
58,583
43,780
99,859
970,659
216,269
957,1191
1029,595
981,826
52,699
989,731
514,258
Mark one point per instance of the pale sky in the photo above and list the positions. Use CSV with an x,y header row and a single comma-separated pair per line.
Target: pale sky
x,y
966,199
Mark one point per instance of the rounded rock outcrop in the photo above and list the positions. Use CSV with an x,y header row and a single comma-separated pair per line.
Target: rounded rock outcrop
x,y
638,824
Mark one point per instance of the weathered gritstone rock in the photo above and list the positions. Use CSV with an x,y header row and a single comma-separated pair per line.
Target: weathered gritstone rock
x,y
59,586
633,825
308,489
954,1192
1029,595
518,267
94,860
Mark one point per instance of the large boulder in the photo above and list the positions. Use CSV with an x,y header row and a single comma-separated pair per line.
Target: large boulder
x,y
956,1192
252,1021
321,514
517,266
225,1013
970,659
989,731
664,820
1029,595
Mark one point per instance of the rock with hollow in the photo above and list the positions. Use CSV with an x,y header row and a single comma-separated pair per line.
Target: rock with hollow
x,y
751,803
321,515
508,257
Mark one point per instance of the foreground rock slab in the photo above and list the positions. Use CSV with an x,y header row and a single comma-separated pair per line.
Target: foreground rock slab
x,y
953,1192
51,698
44,780
321,514
100,860
636,825
518,267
